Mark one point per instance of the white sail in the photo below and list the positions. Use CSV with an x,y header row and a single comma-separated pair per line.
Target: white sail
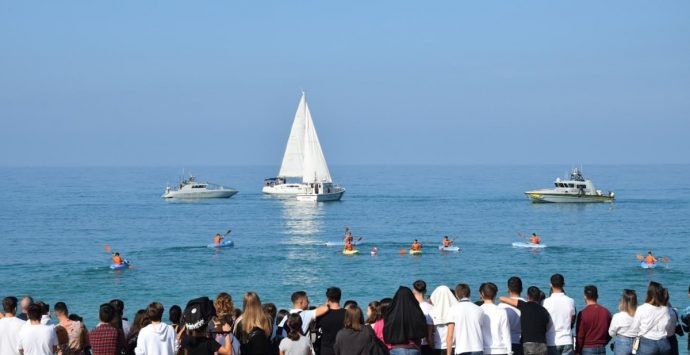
x,y
292,165
315,167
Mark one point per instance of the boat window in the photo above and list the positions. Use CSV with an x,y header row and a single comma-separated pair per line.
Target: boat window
x,y
571,185
581,186
198,186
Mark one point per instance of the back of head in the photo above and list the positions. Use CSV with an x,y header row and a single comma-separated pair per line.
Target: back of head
x,y
557,281
61,308
655,294
404,320
294,326
374,312
251,300
174,314
591,293
140,321
419,286
9,304
154,311
282,313
106,313
34,312
298,296
385,305
488,291
45,308
26,301
75,318
462,291
628,303
253,315
119,306
333,294
534,293
515,285
271,310
197,313
223,304
350,303
353,318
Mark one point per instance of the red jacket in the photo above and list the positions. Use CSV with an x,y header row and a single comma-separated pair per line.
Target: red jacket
x,y
593,327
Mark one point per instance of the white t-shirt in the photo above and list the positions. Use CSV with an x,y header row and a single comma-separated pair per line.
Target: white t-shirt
x,y
427,310
621,323
156,339
651,321
513,320
468,319
495,330
126,327
307,317
300,346
561,309
440,334
9,334
45,320
37,339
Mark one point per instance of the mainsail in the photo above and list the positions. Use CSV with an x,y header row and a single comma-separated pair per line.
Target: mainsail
x,y
315,168
292,165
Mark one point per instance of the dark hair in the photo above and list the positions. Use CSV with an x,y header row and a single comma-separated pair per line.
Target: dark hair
x,y
294,324
375,312
61,307
333,294
270,309
140,321
154,311
106,313
534,293
515,284
174,314
353,318
666,296
591,293
350,303
488,290
655,294
557,281
462,291
281,314
9,304
298,295
75,318
419,286
119,306
34,311
385,305
45,308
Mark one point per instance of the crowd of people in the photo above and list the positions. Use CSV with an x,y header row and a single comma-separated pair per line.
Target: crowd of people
x,y
446,322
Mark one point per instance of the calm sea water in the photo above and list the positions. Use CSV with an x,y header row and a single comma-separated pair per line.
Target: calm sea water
x,y
54,223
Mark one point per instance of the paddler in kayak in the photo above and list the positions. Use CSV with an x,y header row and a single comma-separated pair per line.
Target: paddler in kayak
x,y
348,246
534,239
117,259
348,236
446,242
416,245
650,259
218,239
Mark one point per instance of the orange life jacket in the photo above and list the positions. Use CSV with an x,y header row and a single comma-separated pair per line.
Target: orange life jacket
x,y
446,243
416,246
217,239
535,240
348,246
649,259
117,260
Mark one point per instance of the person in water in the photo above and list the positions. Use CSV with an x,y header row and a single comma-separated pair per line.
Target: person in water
x,y
348,235
447,242
218,239
416,245
650,259
534,239
117,259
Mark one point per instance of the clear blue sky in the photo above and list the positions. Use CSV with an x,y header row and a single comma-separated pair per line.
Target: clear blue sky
x,y
398,82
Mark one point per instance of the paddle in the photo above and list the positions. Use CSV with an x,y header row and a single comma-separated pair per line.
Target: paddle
x,y
228,232
658,258
110,250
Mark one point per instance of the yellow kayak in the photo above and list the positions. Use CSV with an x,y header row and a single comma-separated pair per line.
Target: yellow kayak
x,y
350,252
415,252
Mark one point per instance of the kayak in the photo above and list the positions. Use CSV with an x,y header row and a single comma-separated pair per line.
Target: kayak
x,y
415,252
644,265
124,265
340,244
223,244
350,252
528,245
450,248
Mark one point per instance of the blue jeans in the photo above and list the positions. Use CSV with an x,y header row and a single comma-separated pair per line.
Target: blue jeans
x,y
593,351
405,351
654,347
622,345
560,350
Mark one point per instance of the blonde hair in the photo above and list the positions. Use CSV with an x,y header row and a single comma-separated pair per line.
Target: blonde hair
x,y
253,315
628,303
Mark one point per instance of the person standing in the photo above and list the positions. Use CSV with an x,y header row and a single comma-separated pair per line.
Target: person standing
x,y
465,327
295,343
36,338
621,322
156,338
105,339
650,323
559,337
73,330
495,328
593,325
419,292
534,321
443,300
355,338
10,327
26,302
331,322
514,290
404,324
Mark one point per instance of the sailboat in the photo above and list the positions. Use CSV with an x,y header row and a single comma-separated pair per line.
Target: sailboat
x,y
304,159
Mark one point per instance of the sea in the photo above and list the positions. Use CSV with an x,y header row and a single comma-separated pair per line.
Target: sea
x,y
55,223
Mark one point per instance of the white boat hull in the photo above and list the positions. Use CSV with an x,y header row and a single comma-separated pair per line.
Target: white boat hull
x,y
285,189
225,193
321,197
544,197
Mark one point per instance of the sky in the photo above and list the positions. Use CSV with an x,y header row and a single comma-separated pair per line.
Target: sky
x,y
183,83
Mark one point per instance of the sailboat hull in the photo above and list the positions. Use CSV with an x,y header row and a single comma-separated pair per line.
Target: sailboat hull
x,y
333,196
285,189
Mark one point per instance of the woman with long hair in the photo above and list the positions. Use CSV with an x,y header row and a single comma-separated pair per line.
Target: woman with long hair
x,y
384,305
442,299
620,329
253,329
650,322
140,321
404,324
295,343
373,313
355,338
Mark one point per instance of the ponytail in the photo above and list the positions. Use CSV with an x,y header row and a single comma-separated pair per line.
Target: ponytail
x,y
294,325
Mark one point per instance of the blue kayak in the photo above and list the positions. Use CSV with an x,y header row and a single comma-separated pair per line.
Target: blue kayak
x,y
644,265
223,244
124,265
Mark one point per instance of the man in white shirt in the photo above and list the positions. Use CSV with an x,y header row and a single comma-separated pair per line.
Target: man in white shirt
x,y
561,308
300,304
156,338
495,327
465,329
36,338
10,327
419,291
514,291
